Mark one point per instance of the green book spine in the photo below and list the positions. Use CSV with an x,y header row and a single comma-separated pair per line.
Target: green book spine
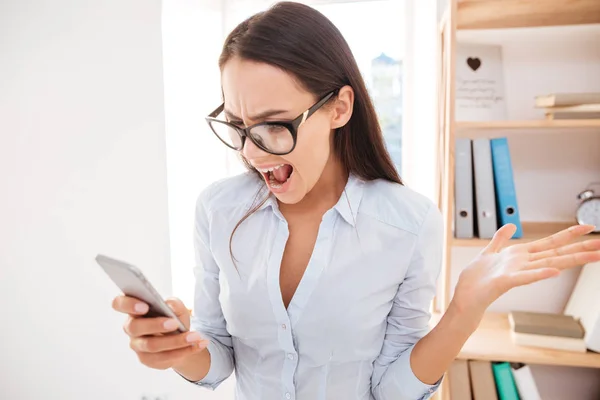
x,y
505,382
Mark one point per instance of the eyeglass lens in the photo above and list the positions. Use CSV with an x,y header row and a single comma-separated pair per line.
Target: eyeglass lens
x,y
271,137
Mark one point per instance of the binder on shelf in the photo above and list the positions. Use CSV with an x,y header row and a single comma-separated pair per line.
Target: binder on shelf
x,y
463,189
460,381
505,381
485,193
482,380
584,304
506,197
525,383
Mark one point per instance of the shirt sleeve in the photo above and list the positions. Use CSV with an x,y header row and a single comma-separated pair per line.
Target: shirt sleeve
x,y
408,320
207,317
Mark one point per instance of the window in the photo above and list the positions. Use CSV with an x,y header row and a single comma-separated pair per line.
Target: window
x,y
378,49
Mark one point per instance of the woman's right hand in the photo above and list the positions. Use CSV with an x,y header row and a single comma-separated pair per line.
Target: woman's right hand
x,y
154,340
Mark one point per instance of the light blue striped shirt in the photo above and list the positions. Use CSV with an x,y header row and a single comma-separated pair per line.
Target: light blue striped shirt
x,y
358,311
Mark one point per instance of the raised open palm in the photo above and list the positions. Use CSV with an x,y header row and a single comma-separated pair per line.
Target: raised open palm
x,y
499,268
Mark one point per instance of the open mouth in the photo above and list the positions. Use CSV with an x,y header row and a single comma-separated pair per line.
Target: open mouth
x,y
277,176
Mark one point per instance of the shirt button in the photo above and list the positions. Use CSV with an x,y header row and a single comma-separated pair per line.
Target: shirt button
x,y
288,396
290,356
283,326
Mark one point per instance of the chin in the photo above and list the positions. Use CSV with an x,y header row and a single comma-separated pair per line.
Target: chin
x,y
289,197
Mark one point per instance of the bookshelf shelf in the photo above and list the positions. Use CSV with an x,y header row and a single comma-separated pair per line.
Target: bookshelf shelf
x,y
501,14
531,231
492,342
553,37
532,124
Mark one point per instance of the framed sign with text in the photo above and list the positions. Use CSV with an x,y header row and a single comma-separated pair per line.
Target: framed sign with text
x,y
480,92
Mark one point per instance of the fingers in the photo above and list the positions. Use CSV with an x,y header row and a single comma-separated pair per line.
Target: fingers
x,y
166,359
130,305
522,278
559,239
588,245
500,238
159,344
566,261
177,306
136,327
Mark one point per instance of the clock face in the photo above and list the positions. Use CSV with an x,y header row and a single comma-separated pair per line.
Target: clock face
x,y
589,213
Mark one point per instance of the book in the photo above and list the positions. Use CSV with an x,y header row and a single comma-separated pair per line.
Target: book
x,y
549,324
566,99
580,111
549,342
547,330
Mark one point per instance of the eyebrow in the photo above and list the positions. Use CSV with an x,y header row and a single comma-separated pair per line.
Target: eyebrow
x,y
257,117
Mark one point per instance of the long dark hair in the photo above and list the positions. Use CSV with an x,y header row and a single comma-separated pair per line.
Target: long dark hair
x,y
303,42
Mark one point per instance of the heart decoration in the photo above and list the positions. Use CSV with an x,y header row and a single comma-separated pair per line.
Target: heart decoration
x,y
474,63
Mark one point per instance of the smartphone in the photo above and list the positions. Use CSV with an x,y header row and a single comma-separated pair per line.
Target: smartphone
x,y
133,283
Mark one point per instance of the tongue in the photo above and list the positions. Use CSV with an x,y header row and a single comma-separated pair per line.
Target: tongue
x,y
282,174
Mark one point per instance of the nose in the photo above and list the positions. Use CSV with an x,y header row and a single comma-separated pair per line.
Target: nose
x,y
251,151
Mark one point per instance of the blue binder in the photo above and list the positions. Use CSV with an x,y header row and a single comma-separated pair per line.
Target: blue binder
x,y
506,196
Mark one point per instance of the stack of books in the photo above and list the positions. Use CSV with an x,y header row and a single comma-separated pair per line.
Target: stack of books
x,y
490,380
547,330
570,105
485,197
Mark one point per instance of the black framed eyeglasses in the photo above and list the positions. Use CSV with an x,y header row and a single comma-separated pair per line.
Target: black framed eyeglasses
x,y
274,137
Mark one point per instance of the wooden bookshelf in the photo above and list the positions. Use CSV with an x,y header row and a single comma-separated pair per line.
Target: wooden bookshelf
x,y
492,342
533,124
499,14
503,21
531,231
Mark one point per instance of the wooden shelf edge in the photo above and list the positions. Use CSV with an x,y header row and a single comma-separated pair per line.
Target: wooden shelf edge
x,y
492,342
504,14
531,124
531,231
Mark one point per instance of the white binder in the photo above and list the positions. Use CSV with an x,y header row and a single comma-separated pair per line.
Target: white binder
x,y
485,193
463,189
584,303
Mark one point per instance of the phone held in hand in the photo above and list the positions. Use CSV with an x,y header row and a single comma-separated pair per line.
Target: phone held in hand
x,y
133,283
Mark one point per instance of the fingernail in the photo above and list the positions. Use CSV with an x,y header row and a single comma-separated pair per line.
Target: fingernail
x,y
203,344
193,337
141,307
170,324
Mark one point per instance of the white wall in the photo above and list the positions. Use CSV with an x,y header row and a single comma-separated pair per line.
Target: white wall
x,y
82,171
192,39
551,167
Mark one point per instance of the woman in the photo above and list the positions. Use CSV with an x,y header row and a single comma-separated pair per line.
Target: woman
x,y
316,269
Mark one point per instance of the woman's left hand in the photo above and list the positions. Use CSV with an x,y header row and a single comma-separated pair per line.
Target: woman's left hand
x,y
498,268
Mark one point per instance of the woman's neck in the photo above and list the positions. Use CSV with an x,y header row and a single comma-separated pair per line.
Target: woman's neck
x,y
326,192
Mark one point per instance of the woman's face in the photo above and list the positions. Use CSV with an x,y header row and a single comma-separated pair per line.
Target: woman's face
x,y
258,92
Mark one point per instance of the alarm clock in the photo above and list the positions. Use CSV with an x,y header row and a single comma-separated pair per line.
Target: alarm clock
x,y
588,211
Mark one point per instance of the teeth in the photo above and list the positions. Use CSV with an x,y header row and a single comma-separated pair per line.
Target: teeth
x,y
265,170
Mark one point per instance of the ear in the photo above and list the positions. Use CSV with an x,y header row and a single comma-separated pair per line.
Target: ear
x,y
342,107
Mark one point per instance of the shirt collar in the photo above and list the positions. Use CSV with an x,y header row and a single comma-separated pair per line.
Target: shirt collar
x,y
347,205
